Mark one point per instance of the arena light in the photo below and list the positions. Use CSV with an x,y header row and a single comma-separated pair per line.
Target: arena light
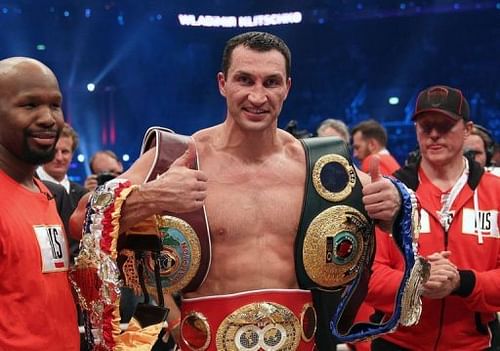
x,y
91,87
41,47
80,158
393,100
126,157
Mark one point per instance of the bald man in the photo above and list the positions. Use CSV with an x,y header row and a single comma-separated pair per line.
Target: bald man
x,y
37,311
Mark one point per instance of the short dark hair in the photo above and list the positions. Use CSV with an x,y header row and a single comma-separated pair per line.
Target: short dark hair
x,y
258,41
371,129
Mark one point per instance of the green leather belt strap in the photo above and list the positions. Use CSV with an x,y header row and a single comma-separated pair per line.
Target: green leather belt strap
x,y
335,241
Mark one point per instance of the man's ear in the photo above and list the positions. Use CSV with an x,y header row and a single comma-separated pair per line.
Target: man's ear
x,y
221,80
372,145
468,128
288,86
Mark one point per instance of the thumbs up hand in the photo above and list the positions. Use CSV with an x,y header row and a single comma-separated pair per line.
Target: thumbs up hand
x,y
380,197
374,170
180,188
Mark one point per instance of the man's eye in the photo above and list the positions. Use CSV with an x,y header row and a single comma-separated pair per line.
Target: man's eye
x,y
29,106
272,82
244,80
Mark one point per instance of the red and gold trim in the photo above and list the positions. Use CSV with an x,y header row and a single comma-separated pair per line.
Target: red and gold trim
x,y
96,277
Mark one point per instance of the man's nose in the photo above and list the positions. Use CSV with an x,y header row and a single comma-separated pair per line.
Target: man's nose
x,y
58,156
257,96
46,116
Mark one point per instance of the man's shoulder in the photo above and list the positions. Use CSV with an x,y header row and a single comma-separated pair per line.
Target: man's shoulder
x,y
490,178
53,187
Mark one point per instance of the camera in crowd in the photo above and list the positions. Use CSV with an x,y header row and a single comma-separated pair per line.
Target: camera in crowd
x,y
292,127
104,177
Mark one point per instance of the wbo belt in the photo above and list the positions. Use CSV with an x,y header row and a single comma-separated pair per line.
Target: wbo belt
x,y
271,319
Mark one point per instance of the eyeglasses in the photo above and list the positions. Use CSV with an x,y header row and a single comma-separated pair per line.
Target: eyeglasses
x,y
441,127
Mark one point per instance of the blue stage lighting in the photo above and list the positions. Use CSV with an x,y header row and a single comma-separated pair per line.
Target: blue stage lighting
x,y
40,47
91,87
80,158
125,157
66,13
393,100
88,13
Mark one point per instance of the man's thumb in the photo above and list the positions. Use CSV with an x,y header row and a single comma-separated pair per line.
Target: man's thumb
x,y
187,159
375,168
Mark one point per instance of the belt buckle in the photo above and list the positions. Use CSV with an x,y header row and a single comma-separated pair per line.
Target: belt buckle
x,y
259,326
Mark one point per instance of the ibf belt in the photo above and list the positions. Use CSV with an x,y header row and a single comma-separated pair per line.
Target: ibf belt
x,y
169,251
267,320
334,241
335,246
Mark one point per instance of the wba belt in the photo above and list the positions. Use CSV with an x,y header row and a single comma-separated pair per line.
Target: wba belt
x,y
335,243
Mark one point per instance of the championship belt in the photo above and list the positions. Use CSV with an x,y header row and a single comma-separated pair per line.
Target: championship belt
x,y
96,277
335,239
167,252
172,250
336,244
269,319
408,305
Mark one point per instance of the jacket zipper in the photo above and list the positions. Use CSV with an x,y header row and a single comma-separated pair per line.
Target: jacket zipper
x,y
441,317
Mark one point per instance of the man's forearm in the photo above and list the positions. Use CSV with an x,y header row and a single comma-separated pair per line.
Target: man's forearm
x,y
138,206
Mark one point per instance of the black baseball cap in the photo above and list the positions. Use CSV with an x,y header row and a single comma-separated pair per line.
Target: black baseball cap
x,y
445,100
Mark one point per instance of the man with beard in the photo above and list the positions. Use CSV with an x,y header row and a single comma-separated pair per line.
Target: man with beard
x,y
38,311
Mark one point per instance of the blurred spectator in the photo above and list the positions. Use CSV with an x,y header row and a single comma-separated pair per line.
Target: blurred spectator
x,y
56,171
104,166
334,127
495,159
63,202
479,144
369,138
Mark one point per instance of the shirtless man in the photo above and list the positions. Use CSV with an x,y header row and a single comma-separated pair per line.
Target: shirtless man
x,y
251,179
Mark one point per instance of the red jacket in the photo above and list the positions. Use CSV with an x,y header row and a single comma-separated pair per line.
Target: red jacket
x,y
458,321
